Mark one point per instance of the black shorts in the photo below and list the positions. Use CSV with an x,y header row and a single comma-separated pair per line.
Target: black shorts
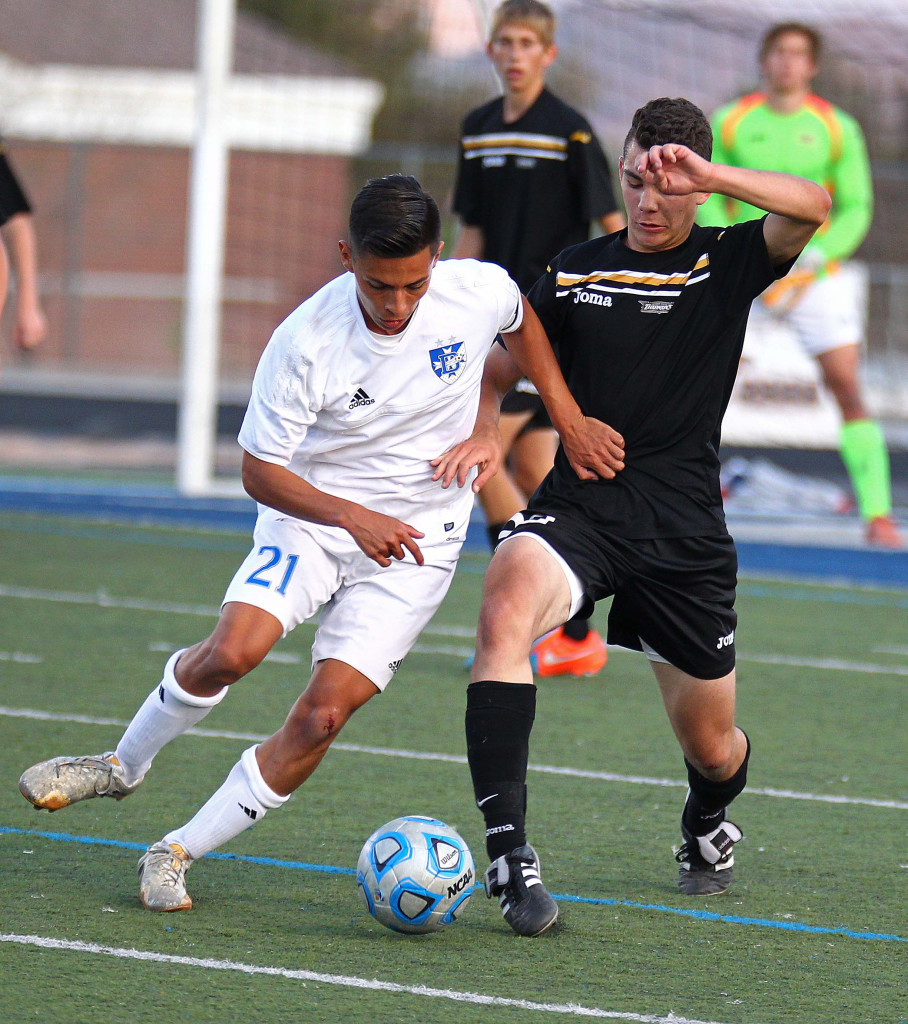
x,y
518,400
676,594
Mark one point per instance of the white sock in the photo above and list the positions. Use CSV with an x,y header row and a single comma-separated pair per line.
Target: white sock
x,y
241,802
168,712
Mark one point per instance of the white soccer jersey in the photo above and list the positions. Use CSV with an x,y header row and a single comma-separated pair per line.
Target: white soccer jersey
x,y
360,415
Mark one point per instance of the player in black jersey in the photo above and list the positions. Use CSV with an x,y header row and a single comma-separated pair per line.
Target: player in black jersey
x,y
532,177
18,229
648,326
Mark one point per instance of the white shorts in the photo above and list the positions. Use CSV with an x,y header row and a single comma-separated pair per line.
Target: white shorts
x,y
826,314
371,616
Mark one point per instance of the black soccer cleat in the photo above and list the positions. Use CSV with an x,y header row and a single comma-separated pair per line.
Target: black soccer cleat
x,y
525,902
706,862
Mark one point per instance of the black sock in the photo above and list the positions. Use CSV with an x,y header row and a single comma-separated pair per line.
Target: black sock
x,y
499,720
577,628
493,529
705,808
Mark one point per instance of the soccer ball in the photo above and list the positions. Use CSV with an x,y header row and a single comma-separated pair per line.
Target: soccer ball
x,y
415,874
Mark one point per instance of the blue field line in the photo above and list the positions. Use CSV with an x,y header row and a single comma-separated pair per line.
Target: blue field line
x,y
68,837
709,915
700,915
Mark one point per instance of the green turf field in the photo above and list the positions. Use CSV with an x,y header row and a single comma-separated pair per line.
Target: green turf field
x,y
814,929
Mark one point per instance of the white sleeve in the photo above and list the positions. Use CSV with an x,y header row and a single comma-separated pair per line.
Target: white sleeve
x,y
281,408
510,307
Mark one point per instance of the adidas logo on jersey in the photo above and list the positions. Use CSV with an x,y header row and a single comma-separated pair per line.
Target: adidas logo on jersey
x,y
360,398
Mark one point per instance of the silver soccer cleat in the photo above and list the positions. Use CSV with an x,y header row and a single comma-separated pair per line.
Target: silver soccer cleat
x,y
62,781
162,877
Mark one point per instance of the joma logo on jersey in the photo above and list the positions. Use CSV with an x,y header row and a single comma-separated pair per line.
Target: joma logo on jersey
x,y
593,298
726,641
449,360
655,306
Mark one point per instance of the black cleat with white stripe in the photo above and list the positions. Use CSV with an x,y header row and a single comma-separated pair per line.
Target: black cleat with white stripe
x,y
525,902
706,862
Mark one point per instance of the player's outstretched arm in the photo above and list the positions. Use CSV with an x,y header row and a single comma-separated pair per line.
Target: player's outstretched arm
x,y
379,536
593,448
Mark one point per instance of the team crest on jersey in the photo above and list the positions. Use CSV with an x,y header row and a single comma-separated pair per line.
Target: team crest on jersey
x,y
449,360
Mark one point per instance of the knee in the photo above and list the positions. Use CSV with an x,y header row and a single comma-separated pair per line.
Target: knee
x,y
500,620
712,756
222,661
311,724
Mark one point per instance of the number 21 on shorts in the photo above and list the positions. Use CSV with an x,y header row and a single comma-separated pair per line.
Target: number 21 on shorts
x,y
274,569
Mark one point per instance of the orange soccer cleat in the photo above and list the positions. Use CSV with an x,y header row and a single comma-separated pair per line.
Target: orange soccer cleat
x,y
558,655
883,533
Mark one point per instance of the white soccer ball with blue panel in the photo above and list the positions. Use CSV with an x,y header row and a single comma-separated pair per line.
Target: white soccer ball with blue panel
x,y
416,874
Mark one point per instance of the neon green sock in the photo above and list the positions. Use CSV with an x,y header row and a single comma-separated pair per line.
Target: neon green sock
x,y
864,453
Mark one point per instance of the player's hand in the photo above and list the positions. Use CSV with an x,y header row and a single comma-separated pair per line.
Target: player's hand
x,y
675,170
30,327
594,449
482,448
383,537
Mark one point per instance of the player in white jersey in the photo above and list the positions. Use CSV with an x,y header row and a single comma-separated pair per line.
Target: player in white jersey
x,y
369,402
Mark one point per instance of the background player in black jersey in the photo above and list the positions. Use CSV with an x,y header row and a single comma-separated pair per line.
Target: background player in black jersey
x,y
648,326
18,229
531,179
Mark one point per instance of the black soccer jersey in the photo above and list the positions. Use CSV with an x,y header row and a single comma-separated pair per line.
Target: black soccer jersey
x,y
12,198
649,343
533,186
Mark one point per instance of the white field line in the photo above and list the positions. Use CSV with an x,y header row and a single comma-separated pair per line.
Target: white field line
x,y
415,755
102,599
347,981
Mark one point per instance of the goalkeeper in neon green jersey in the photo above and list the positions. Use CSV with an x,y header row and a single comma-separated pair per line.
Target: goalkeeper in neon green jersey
x,y
788,128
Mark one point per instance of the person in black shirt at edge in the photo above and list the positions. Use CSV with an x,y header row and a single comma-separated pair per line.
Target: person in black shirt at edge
x,y
647,326
532,177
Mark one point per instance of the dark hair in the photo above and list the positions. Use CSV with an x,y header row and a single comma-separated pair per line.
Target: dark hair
x,y
810,34
394,217
664,120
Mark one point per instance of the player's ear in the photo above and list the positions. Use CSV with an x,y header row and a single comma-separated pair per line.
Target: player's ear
x,y
441,246
702,197
346,255
549,55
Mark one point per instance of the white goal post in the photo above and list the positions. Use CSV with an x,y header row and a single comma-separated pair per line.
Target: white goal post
x,y
207,215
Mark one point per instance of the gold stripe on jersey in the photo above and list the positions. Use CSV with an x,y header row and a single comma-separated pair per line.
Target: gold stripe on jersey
x,y
551,147
633,277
